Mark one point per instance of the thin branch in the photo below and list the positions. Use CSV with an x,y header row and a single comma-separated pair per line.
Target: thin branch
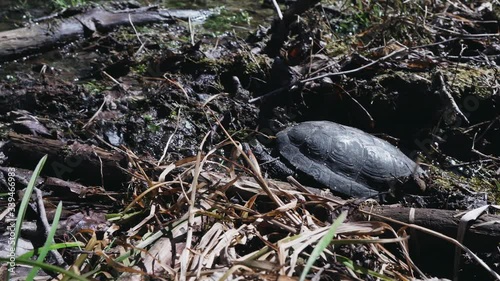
x,y
45,222
356,69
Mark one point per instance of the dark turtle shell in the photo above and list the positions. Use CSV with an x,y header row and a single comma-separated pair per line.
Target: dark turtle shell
x,y
345,159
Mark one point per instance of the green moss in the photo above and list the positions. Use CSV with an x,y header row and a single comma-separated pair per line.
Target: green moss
x,y
93,87
226,20
173,115
447,180
150,125
253,64
140,68
191,4
153,128
470,81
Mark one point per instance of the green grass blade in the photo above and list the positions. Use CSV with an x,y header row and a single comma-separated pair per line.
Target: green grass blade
x,y
322,244
55,246
24,203
48,267
46,247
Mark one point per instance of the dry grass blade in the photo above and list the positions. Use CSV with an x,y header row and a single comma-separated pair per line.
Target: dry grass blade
x,y
184,260
260,179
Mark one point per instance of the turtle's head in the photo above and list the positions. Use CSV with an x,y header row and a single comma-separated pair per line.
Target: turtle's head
x,y
420,177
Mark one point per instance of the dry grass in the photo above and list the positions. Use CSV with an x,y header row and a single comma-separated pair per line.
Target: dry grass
x,y
213,218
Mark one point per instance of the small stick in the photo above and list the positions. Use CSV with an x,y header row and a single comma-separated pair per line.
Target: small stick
x,y
450,99
96,113
45,222
171,137
356,69
278,10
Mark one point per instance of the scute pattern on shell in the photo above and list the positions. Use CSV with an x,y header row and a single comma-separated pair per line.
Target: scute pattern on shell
x,y
345,159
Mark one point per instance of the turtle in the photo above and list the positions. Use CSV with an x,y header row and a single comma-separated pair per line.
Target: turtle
x,y
349,161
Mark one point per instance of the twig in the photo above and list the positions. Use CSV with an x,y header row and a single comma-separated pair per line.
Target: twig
x,y
462,49
404,48
467,36
449,97
278,10
100,166
487,128
152,213
462,228
272,93
112,146
45,222
96,113
137,35
177,84
356,69
258,177
480,153
191,31
170,137
184,259
112,79
372,121
316,194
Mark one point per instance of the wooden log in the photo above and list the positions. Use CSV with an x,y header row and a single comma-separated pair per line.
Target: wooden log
x,y
446,222
86,164
46,35
435,255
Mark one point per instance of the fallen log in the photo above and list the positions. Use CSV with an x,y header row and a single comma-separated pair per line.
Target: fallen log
x,y
48,34
90,165
486,227
435,255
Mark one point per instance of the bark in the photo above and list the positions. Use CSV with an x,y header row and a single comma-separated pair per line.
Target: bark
x,y
69,160
48,34
478,234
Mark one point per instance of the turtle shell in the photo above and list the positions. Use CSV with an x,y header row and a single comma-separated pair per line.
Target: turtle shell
x,y
345,159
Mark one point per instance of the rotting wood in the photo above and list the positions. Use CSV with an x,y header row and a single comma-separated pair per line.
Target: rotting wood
x,y
69,160
46,35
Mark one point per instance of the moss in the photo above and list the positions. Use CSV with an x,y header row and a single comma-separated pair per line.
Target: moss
x,y
173,115
93,87
207,64
254,65
226,20
140,68
470,81
447,180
